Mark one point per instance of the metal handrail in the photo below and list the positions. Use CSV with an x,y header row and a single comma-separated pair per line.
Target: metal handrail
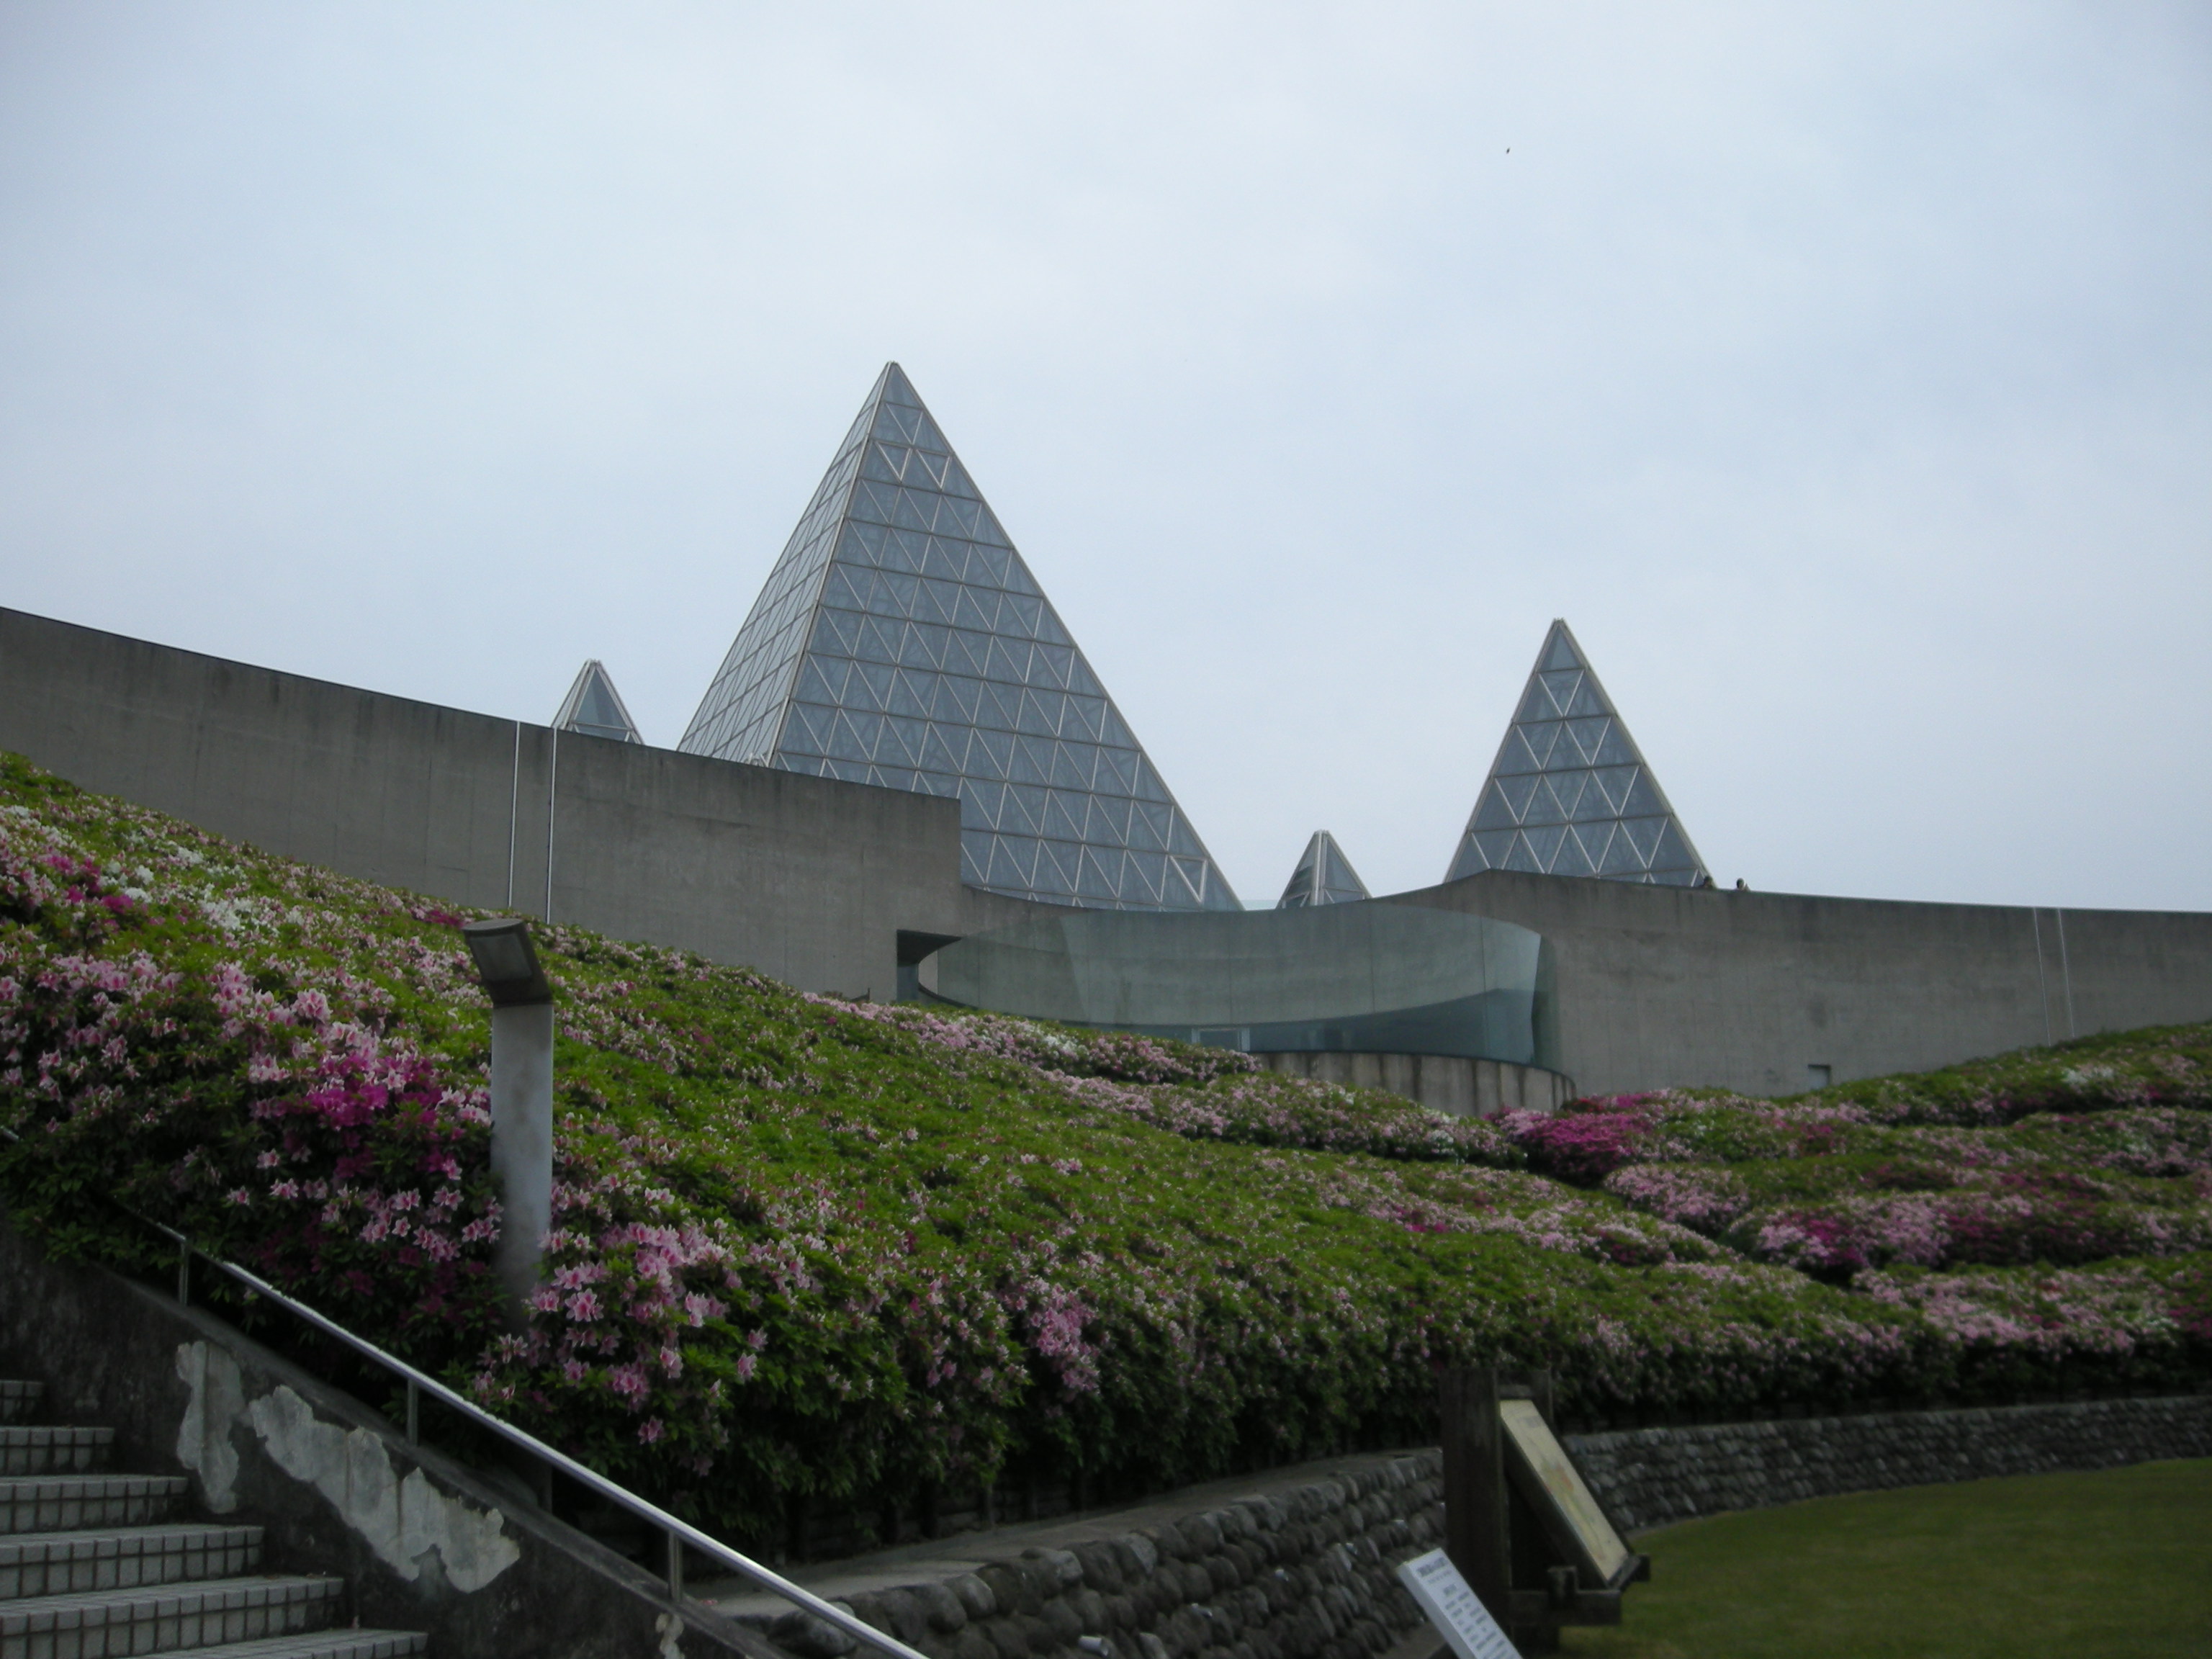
x,y
678,1533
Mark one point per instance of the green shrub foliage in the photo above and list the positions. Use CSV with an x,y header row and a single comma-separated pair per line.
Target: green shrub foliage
x,y
806,1249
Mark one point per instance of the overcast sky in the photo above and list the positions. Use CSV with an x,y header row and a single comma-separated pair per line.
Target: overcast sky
x,y
1840,372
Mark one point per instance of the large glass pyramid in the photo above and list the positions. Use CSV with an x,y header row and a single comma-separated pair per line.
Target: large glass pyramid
x,y
1324,876
595,708
1570,794
901,641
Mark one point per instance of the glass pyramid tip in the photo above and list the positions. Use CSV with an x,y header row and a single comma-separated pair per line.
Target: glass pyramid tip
x,y
594,707
1323,876
1570,793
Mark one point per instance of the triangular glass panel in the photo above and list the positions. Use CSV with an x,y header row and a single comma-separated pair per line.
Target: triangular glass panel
x,y
1516,792
1615,782
1583,769
1492,848
1060,822
1562,685
1521,856
1107,822
1642,836
1570,859
1536,704
1490,812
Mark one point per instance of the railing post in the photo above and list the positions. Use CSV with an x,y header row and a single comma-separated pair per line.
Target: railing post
x,y
184,1275
413,1414
675,1567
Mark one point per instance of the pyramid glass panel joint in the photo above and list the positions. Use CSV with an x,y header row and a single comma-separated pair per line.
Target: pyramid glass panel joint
x,y
1570,793
901,641
594,707
1324,876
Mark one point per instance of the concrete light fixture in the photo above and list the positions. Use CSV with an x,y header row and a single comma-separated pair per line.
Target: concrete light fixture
x,y
521,1099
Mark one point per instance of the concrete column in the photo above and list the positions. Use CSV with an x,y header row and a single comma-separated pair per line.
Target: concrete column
x,y
522,1142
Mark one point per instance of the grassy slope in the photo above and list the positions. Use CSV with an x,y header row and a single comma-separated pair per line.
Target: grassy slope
x,y
2108,1565
807,1248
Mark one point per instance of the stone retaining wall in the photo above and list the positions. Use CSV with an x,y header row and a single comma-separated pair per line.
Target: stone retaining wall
x,y
1298,1564
1300,1569
1648,1477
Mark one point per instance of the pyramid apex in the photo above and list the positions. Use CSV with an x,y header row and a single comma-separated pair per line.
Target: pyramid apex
x,y
1323,876
594,707
1570,793
901,641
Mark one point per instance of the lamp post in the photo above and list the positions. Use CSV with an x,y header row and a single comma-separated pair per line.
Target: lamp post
x,y
521,1099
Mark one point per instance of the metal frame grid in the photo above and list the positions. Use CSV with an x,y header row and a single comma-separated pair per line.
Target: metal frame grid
x,y
901,641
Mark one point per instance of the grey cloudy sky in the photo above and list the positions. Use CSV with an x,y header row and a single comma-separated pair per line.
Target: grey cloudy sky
x,y
1841,372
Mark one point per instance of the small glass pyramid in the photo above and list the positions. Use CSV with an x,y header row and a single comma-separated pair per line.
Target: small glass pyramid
x,y
594,707
901,641
1324,876
1570,794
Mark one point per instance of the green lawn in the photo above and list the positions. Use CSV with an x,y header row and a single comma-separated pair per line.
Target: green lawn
x,y
2074,1566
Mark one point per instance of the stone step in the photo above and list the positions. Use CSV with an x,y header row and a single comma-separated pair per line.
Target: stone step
x,y
53,1451
67,1503
124,1557
108,1623
325,1644
18,1401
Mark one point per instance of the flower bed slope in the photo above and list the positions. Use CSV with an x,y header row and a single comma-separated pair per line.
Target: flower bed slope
x,y
806,1250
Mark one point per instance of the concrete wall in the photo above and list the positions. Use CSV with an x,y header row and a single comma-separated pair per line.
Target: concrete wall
x,y
806,879
1443,1083
1661,986
814,881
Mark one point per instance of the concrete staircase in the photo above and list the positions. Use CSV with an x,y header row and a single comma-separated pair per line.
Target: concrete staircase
x,y
96,1565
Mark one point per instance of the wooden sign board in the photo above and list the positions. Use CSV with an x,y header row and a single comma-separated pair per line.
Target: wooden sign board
x,y
1455,1609
1551,1481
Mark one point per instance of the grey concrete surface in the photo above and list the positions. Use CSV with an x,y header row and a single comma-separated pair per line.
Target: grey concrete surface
x,y
815,881
808,879
1660,986
1443,1082
423,1542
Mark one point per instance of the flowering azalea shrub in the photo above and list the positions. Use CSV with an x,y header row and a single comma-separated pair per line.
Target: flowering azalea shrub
x,y
809,1251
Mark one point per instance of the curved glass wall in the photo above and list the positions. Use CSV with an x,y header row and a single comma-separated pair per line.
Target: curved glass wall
x,y
1362,977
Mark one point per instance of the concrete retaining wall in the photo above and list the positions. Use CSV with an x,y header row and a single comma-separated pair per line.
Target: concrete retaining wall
x,y
1443,1083
1297,1565
1648,1477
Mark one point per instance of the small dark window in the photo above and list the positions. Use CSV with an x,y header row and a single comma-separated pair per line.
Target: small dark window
x,y
1819,1077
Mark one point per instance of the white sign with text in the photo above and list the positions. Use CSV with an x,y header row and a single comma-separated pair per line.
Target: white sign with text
x,y
1453,1608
